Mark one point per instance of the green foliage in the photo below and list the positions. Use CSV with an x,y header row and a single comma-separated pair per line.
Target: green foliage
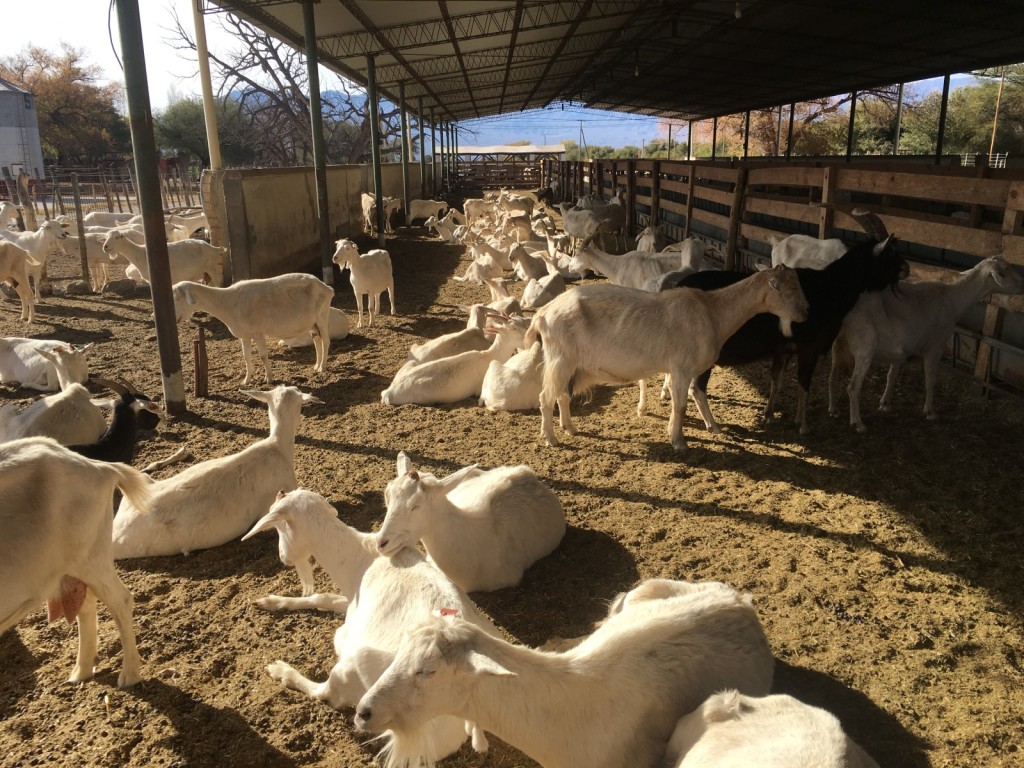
x,y
181,130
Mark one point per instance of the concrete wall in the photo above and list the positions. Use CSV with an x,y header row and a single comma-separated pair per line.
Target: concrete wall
x,y
267,217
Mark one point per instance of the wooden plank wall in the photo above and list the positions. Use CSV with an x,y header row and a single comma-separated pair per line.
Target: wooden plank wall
x,y
734,205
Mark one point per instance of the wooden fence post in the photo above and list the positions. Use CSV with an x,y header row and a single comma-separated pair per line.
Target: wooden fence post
x,y
690,178
631,198
655,192
28,210
77,194
828,188
735,218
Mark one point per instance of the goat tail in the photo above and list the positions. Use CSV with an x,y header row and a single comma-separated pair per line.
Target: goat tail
x,y
133,484
538,327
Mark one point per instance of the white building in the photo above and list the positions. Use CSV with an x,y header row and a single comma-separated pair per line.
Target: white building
x,y
20,149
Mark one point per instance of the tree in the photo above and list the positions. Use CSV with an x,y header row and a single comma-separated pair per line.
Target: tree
x,y
79,120
266,81
181,130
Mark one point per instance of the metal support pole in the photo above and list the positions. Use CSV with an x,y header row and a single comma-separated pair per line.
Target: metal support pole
x,y
140,119
899,120
423,148
316,121
789,136
371,94
689,141
433,155
849,130
405,150
942,119
455,155
714,139
209,109
442,158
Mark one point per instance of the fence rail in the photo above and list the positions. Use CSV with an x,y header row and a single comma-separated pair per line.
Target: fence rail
x,y
110,189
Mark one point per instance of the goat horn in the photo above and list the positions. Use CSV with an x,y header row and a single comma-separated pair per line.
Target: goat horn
x,y
111,385
131,387
871,222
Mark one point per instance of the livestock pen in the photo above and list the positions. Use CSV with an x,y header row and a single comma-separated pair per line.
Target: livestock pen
x,y
884,567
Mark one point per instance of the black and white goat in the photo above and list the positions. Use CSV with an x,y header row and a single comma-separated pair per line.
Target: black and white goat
x,y
831,293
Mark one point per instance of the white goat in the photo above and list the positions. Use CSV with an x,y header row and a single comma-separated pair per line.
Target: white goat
x,y
611,701
279,307
483,532
338,324
424,209
370,275
472,337
451,379
21,362
95,256
69,416
583,226
915,321
14,264
444,229
476,208
607,334
537,293
194,260
55,547
515,384
526,264
515,205
635,269
38,244
369,206
386,598
806,251
9,213
731,730
652,239
217,500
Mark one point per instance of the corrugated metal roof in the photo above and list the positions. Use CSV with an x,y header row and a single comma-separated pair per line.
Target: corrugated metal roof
x,y
686,60
9,86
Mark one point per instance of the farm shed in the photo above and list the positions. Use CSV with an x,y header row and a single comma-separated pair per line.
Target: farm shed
x,y
886,570
20,149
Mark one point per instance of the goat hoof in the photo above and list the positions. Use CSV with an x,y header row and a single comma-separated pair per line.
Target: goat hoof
x,y
81,675
126,680
885,408
860,428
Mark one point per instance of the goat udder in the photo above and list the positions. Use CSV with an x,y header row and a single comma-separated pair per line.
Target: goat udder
x,y
68,602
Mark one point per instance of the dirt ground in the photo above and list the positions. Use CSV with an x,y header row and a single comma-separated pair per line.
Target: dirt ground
x,y
886,567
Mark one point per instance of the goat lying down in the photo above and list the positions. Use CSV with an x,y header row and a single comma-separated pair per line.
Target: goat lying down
x,y
216,500
388,596
611,701
731,730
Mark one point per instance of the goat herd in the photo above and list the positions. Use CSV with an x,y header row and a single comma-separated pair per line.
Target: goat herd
x,y
678,673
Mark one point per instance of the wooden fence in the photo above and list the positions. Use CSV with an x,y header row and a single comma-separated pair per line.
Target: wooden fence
x,y
101,189
946,218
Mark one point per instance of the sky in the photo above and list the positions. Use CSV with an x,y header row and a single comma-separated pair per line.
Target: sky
x,y
172,74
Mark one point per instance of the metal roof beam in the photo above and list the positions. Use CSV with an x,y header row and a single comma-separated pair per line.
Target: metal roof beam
x,y
581,16
454,40
473,26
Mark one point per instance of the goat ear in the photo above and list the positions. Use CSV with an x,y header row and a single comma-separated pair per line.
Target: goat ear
x,y
402,464
308,398
485,665
272,519
882,245
256,394
774,284
187,291
452,480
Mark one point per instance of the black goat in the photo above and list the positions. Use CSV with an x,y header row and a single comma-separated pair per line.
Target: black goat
x,y
830,292
133,412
